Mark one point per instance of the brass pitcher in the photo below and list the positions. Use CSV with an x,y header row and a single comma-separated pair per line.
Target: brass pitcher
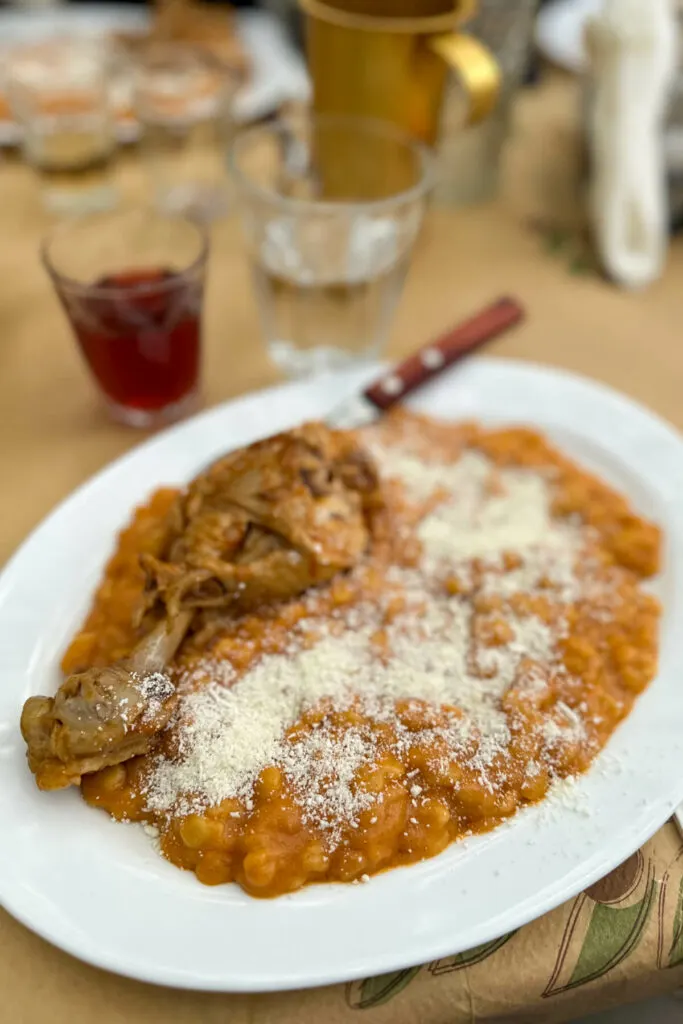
x,y
389,59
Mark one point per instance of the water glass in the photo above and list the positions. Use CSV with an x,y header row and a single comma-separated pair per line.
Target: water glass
x,y
331,208
59,94
132,287
183,101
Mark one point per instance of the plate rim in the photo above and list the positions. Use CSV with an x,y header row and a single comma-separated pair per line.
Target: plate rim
x,y
600,864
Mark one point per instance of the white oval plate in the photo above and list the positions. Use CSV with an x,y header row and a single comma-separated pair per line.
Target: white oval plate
x,y
97,888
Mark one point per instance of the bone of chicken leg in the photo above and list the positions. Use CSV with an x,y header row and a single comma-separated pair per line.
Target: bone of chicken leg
x,y
103,716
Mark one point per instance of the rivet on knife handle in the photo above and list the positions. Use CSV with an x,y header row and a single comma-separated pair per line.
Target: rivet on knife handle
x,y
433,358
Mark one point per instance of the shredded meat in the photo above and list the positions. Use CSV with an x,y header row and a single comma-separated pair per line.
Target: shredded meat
x,y
266,523
260,525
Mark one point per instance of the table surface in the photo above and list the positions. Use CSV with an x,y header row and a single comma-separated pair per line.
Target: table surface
x,y
53,434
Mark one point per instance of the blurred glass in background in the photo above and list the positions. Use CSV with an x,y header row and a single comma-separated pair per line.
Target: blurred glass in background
x,y
131,283
469,160
59,96
183,102
331,208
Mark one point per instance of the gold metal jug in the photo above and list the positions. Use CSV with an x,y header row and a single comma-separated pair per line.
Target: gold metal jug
x,y
389,59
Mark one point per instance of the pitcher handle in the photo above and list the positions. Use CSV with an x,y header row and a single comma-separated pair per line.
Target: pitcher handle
x,y
476,67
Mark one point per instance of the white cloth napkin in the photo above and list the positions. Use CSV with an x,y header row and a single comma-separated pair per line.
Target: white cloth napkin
x,y
632,49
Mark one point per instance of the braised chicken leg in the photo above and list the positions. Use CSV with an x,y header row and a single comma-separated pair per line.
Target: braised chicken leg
x,y
260,525
103,716
266,523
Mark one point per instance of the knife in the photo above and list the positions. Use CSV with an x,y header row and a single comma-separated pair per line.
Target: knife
x,y
424,365
418,369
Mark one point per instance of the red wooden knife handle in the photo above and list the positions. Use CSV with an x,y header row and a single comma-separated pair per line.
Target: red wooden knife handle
x,y
435,357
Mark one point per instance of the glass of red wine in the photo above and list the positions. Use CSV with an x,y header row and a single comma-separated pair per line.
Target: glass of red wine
x,y
132,286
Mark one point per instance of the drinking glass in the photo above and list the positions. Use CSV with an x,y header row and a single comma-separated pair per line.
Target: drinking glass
x,y
183,101
331,208
132,287
59,94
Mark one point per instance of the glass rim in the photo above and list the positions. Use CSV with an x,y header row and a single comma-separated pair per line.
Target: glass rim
x,y
189,59
160,49
279,126
47,54
109,291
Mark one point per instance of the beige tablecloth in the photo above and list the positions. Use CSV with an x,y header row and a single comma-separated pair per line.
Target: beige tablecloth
x,y
621,939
